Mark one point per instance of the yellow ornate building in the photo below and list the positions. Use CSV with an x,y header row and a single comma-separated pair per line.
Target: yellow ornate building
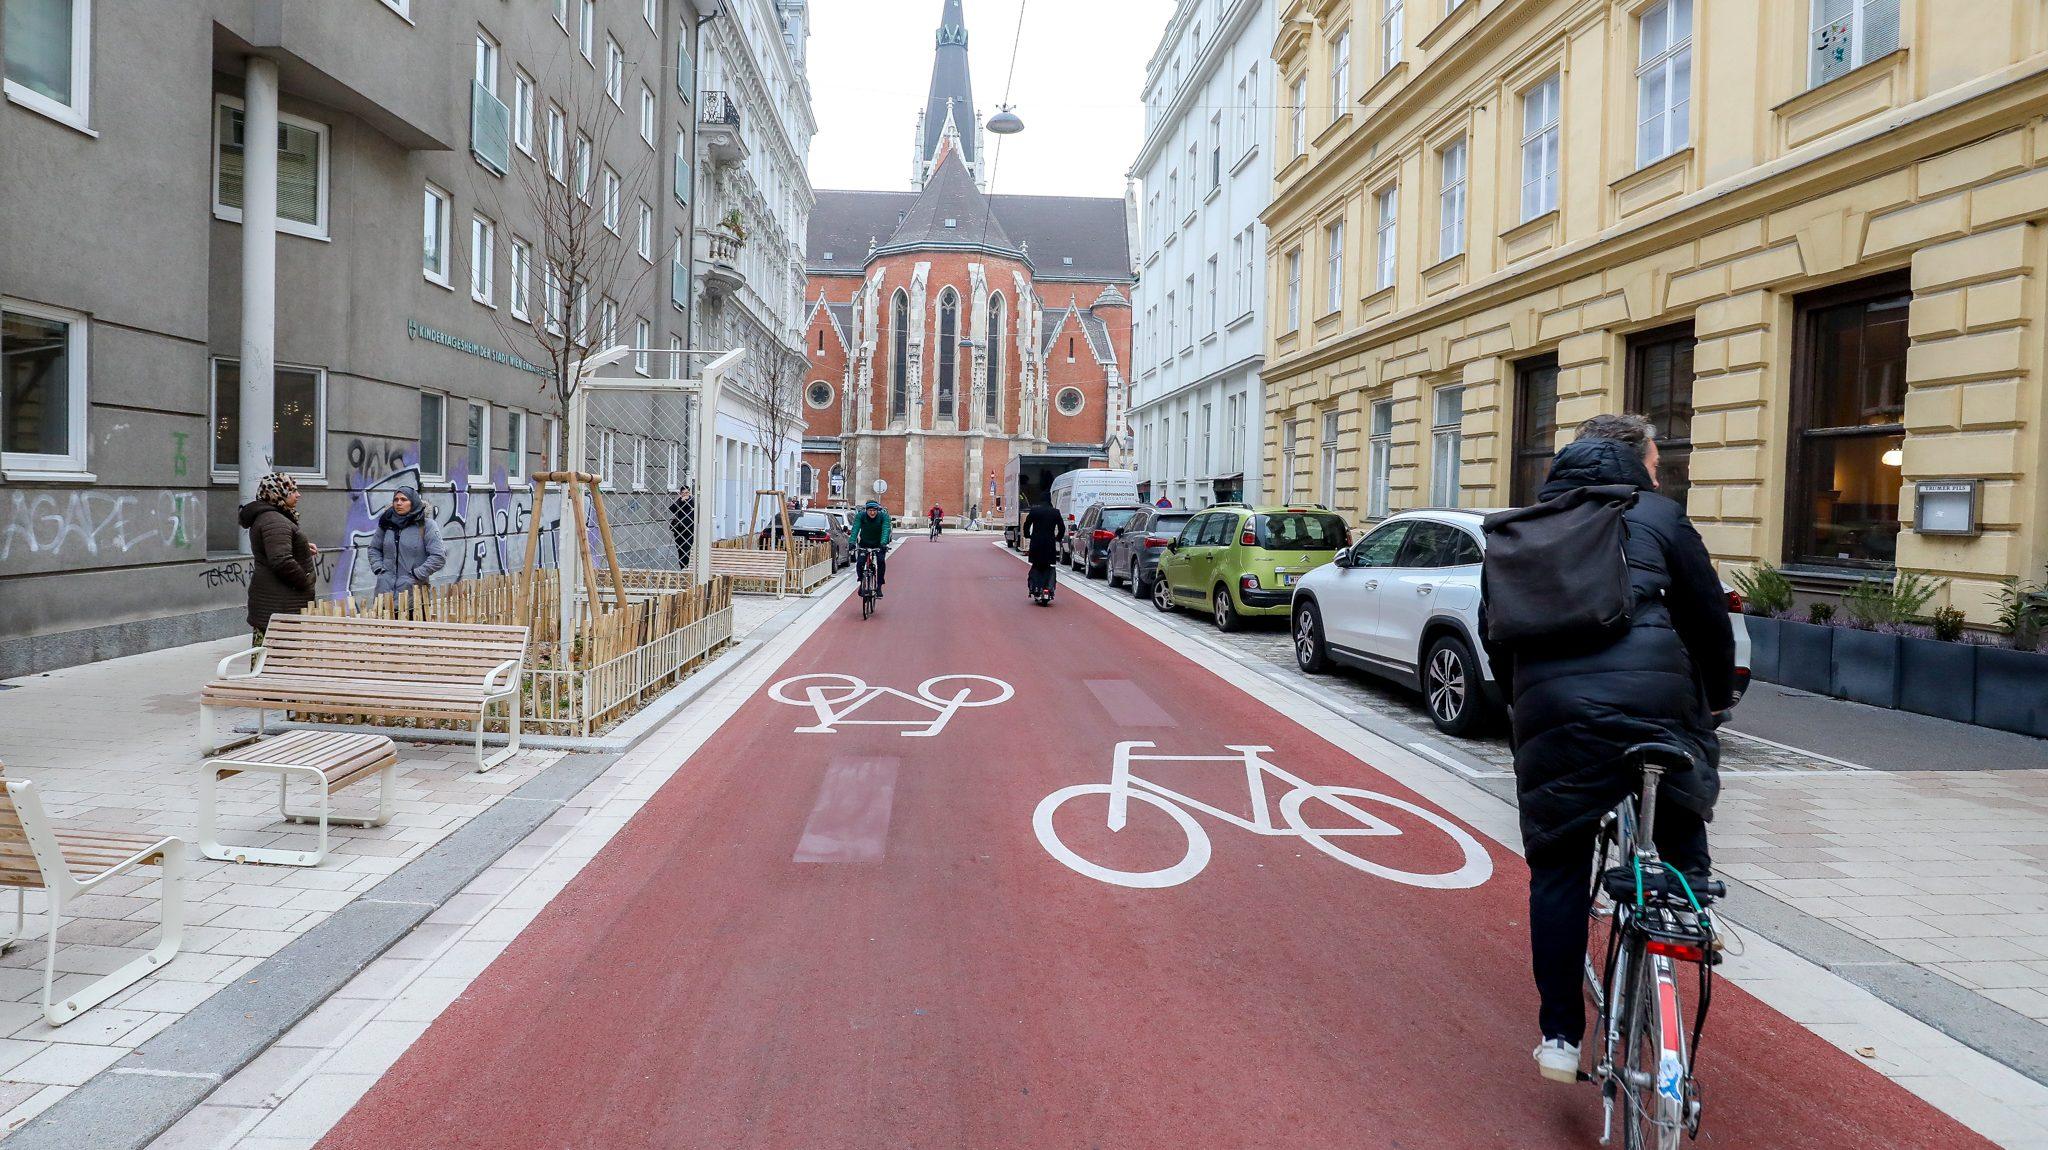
x,y
1804,236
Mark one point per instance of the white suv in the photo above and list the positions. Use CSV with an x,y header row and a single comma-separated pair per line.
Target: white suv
x,y
1403,603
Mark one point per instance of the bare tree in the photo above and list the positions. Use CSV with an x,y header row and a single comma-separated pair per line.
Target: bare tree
x,y
778,388
586,263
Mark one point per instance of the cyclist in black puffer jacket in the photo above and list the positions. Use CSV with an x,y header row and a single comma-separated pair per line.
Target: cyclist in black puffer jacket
x,y
1577,713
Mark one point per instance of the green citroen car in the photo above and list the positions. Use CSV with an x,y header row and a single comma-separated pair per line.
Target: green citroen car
x,y
1236,561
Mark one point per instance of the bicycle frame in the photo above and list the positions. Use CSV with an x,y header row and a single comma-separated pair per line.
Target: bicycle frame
x,y
1123,781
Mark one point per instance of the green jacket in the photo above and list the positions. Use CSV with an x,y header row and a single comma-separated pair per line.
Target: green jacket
x,y
872,532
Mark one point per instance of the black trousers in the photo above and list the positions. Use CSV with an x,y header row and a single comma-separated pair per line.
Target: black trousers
x,y
1561,898
1041,578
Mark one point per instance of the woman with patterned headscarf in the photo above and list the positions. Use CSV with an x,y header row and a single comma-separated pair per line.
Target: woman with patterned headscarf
x,y
282,581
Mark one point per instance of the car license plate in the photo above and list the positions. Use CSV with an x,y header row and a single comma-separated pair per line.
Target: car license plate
x,y
1289,580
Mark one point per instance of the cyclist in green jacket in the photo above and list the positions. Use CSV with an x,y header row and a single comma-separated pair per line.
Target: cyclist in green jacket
x,y
871,530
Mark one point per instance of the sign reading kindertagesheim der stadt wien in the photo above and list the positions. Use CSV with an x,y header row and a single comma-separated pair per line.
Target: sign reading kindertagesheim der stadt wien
x,y
414,329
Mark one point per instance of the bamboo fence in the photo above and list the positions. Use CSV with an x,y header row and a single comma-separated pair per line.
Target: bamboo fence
x,y
809,563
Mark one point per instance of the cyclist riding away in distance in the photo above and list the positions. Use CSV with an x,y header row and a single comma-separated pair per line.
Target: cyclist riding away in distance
x,y
1043,530
871,529
1666,675
936,518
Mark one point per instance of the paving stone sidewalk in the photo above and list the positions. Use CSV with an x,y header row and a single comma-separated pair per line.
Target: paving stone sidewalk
x,y
115,745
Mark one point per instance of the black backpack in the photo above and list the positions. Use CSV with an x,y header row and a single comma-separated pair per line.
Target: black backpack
x,y
1556,572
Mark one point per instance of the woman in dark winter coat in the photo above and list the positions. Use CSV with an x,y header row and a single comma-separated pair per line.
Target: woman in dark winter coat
x,y
408,548
1576,713
282,580
1043,529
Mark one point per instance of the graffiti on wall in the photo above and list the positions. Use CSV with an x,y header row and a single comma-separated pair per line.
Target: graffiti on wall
x,y
483,528
76,525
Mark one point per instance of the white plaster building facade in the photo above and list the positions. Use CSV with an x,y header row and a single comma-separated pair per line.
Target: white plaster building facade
x,y
1206,172
754,201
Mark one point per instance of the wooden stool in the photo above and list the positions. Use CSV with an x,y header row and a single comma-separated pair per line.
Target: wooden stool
x,y
329,760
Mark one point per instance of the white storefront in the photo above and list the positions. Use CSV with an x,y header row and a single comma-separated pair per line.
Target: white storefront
x,y
1205,167
754,200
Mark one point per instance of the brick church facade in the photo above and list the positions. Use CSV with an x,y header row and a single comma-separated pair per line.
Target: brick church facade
x,y
950,329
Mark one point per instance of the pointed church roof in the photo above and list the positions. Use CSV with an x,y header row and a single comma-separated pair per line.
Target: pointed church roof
x,y
952,91
950,212
1110,297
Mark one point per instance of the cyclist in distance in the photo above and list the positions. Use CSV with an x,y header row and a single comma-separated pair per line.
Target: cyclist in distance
x,y
936,518
871,529
1666,677
1043,529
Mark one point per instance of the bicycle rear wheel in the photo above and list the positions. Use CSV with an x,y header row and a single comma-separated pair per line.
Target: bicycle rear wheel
x,y
1653,1070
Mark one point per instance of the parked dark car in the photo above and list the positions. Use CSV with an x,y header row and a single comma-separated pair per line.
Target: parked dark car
x,y
818,527
1134,553
1093,532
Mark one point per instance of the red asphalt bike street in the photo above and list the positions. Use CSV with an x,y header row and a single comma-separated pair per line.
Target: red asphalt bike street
x,y
929,975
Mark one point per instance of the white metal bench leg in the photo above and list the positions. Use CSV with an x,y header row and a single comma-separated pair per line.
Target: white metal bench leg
x,y
326,812
20,920
105,987
210,845
512,735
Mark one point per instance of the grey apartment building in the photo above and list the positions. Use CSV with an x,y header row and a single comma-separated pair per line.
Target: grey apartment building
x,y
403,269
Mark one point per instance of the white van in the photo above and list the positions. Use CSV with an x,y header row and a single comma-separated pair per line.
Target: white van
x,y
1076,491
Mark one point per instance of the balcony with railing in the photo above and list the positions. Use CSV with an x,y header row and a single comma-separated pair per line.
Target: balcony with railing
x,y
718,128
718,258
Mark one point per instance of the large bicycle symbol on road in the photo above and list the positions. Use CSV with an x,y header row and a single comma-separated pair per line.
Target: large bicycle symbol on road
x,y
1339,816
835,698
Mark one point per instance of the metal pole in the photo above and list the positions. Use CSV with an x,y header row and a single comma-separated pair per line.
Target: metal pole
x,y
257,399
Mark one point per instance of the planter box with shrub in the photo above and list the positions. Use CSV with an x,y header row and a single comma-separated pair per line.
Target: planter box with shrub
x,y
1865,667
1763,646
1806,656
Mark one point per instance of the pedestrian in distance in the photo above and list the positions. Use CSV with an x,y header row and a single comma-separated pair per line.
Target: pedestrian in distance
x,y
407,550
1662,670
974,518
283,559
682,525
1044,529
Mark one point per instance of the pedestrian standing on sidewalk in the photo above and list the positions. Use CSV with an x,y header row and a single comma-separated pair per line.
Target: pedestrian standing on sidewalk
x,y
281,581
1043,529
408,548
1580,701
682,525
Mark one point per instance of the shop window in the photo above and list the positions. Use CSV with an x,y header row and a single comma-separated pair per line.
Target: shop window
x,y
1660,380
1535,426
1848,433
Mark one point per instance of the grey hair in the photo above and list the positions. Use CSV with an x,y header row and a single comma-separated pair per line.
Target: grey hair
x,y
1628,427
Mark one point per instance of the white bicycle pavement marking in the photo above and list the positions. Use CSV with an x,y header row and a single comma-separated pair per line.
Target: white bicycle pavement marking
x,y
833,698
1349,802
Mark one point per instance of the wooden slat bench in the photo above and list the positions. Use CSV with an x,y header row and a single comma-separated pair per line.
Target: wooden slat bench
x,y
375,667
327,760
742,563
69,864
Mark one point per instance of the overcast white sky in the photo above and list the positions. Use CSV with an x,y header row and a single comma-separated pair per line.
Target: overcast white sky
x,y
1080,69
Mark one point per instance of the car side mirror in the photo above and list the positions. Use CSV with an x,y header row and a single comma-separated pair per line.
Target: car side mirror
x,y
1343,558
1173,545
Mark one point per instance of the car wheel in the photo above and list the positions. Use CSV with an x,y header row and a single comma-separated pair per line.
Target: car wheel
x,y
1225,611
1451,687
1093,570
1109,574
1309,653
1162,593
1140,588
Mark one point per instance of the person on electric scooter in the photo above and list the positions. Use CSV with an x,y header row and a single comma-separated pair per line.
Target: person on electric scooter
x,y
1043,530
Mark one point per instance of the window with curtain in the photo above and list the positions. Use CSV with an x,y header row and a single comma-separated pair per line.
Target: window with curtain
x,y
899,358
1535,426
1446,445
1848,433
301,170
991,398
1660,378
949,350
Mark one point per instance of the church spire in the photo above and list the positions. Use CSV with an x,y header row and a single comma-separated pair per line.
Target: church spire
x,y
951,100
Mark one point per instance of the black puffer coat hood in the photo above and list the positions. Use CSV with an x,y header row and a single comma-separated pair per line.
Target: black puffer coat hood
x,y
1577,712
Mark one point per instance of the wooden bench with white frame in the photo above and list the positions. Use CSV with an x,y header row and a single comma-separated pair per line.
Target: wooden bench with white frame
x,y
68,864
745,563
327,761
393,668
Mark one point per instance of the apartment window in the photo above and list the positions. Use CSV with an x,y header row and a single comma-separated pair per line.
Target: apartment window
x,y
686,70
899,358
992,393
1393,16
515,444
639,465
607,322
550,450
1215,151
522,111
487,63
477,440
519,289
1380,464
611,201
1535,426
643,241
615,72
557,306
1187,300
650,11
1297,102
1450,214
1289,444
557,145
434,211
643,338
586,30
1663,80
1172,326
1246,92
1340,74
1848,434
298,417
301,168
1539,148
42,387
433,435
1294,289
683,173
48,60
1446,445
1328,469
647,114
1333,266
1848,34
1173,197
1203,465
1215,272
483,261
1194,174
583,167
1660,381
1234,431
562,14
1386,236
1236,272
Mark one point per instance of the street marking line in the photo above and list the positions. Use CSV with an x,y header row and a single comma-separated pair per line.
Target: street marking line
x,y
1842,763
850,820
834,697
1128,704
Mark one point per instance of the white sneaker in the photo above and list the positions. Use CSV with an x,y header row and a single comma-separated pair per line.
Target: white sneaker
x,y
1558,1060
